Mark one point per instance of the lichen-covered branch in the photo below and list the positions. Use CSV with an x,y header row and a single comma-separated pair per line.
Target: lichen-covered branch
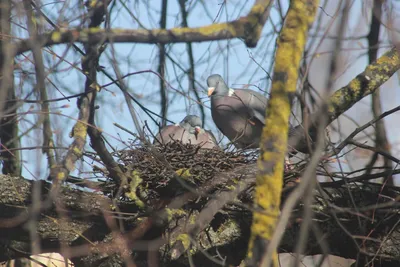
x,y
213,173
90,66
86,107
291,44
379,235
365,83
248,28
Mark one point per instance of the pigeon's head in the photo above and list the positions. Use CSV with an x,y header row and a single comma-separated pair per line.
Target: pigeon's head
x,y
192,124
216,85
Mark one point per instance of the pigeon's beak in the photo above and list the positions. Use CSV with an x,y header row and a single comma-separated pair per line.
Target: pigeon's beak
x,y
210,90
196,131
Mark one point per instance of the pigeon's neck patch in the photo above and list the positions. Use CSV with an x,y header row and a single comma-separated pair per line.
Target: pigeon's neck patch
x,y
231,92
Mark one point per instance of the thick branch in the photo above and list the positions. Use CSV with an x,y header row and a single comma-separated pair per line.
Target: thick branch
x,y
291,43
378,235
364,84
343,99
248,27
16,194
8,108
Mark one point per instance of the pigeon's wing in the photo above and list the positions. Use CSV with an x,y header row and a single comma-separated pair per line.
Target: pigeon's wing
x,y
255,102
240,116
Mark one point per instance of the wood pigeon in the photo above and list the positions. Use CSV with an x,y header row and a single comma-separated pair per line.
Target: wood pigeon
x,y
239,114
188,131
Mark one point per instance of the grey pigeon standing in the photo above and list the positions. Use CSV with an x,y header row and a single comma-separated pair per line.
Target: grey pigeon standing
x,y
239,114
188,131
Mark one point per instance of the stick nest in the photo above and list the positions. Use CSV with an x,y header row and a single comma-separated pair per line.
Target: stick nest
x,y
168,170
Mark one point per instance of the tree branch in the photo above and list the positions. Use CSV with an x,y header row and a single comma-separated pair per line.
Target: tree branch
x,y
381,141
40,86
333,208
161,66
248,27
191,72
8,105
291,44
343,99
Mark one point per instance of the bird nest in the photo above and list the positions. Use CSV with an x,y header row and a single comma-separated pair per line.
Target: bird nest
x,y
165,171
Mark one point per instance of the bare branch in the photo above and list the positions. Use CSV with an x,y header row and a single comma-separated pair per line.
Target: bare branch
x,y
381,141
40,86
8,104
162,66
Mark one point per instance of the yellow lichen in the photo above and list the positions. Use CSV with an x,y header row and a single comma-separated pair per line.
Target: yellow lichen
x,y
183,173
80,130
228,225
185,239
95,86
178,212
77,151
291,43
171,213
56,36
364,84
60,176
134,183
230,187
192,219
206,30
93,30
